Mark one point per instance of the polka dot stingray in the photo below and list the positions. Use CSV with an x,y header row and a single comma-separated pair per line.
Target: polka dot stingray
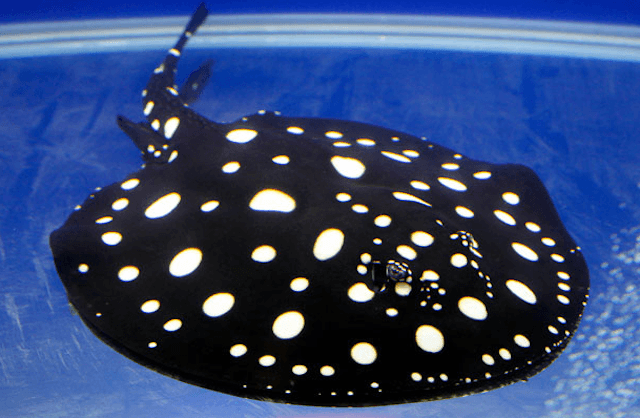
x,y
318,261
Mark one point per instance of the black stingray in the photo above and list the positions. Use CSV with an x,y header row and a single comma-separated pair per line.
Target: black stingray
x,y
319,261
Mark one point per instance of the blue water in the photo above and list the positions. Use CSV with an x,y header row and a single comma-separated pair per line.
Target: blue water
x,y
573,120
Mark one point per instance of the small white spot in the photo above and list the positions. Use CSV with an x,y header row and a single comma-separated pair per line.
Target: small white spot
x,y
511,198
396,157
458,260
358,208
174,52
218,304
552,329
328,244
409,198
128,273
299,369
402,289
549,242
155,124
472,308
130,184
231,167
343,197
443,377
450,166
464,212
112,238
341,144
327,371
557,258
366,142
365,258
295,130
148,108
382,221
288,325
272,200
482,175
209,206
104,220
452,184
411,153
419,185
348,167
416,377
392,312
429,338
504,217
185,262
263,254
406,252
120,204
173,156
505,354
563,275
267,361
172,91
488,360
522,291
299,284
421,238
238,350
333,135
521,341
429,275
163,206
524,251
172,325
364,353
281,159
83,268
150,306
170,127
359,292
532,226
241,136
152,344
563,299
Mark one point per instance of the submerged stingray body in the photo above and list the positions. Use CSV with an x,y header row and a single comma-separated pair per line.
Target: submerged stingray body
x,y
319,261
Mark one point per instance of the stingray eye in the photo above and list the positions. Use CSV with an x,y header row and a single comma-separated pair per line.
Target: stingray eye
x,y
398,272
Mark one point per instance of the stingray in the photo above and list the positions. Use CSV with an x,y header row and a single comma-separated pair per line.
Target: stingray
x,y
318,261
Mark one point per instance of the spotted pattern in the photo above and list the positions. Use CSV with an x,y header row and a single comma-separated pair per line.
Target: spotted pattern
x,y
320,262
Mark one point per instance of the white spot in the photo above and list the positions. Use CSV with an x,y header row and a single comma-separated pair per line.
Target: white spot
x,y
421,238
327,371
524,251
557,258
343,197
130,184
281,159
429,338
505,354
241,136
552,329
522,291
333,135
128,273
112,238
511,198
152,344
163,206
366,142
155,124
341,144
429,275
328,244
172,325
417,184
416,377
392,312
364,353
382,221
231,167
218,304
472,308
482,175
263,254
170,127
299,284
120,204
406,252
288,325
209,206
409,198
358,208
458,260
402,289
104,220
411,153
238,350
173,156
295,130
148,108
521,341
563,299
267,361
299,369
452,184
174,52
172,91
272,200
488,360
563,275
504,217
185,262
348,167
359,292
464,212
365,258
150,306
549,242
396,157
450,166
532,226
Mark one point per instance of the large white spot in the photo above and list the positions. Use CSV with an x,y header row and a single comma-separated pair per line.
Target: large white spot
x,y
241,136
128,273
472,308
421,238
348,167
429,338
272,200
288,325
524,251
328,244
185,262
170,127
522,291
218,304
263,254
409,198
163,206
452,184
359,292
112,238
402,289
364,353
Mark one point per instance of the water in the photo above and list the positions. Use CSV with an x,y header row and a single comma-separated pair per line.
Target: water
x,y
563,99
